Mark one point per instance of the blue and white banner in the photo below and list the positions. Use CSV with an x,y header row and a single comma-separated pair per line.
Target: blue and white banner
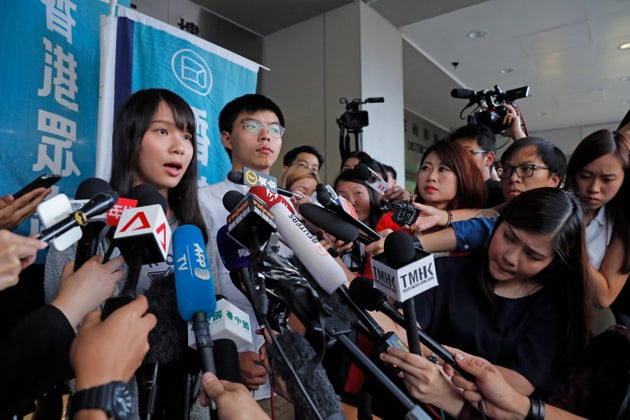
x,y
49,82
138,52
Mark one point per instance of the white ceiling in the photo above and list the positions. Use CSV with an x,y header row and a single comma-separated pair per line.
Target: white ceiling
x,y
565,50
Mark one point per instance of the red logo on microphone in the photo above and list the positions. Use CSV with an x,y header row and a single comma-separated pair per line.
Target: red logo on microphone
x,y
137,222
161,232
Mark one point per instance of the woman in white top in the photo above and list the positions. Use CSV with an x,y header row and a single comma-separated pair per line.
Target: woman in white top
x,y
598,173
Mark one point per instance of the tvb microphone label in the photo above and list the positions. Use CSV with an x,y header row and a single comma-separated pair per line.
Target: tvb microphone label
x,y
407,281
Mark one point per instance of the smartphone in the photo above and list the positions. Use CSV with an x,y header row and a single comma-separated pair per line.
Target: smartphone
x,y
46,181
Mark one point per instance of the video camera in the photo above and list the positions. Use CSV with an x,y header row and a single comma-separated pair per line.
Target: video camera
x,y
491,105
352,121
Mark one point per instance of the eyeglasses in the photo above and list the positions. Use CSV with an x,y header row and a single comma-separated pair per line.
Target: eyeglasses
x,y
477,152
255,127
523,171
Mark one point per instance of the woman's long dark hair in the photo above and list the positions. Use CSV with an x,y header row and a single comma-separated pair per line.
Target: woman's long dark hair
x,y
553,211
132,121
471,189
594,146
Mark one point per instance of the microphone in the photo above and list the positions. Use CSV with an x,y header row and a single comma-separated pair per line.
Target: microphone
x,y
88,244
324,269
403,273
143,237
252,178
371,178
250,222
196,301
97,205
236,260
463,93
312,375
329,222
362,291
229,369
326,200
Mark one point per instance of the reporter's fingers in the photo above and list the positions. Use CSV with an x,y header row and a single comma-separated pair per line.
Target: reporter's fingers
x,y
91,319
212,386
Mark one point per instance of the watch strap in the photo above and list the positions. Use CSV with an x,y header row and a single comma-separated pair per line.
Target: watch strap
x,y
99,397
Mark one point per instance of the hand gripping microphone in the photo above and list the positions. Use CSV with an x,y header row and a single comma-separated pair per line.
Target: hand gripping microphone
x,y
88,244
362,291
196,300
324,198
324,269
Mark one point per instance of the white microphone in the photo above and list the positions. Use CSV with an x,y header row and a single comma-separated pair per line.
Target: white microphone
x,y
324,269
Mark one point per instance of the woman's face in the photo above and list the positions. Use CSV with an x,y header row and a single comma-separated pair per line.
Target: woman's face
x,y
515,185
358,195
598,182
515,255
305,186
165,152
437,183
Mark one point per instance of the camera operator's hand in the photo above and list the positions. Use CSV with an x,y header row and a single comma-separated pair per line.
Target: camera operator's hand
x,y
396,193
513,121
15,211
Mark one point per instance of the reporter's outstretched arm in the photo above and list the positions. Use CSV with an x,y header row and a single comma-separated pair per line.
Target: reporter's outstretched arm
x,y
499,399
110,350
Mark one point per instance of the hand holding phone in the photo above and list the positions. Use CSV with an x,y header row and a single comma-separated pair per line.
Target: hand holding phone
x,y
45,181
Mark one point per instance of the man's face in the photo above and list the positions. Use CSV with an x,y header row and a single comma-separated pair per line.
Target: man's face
x,y
483,160
258,151
306,160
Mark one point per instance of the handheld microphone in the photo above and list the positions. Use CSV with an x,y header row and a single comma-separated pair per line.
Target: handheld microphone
x,y
97,205
251,177
250,222
324,269
326,200
329,222
196,301
371,178
404,273
312,375
88,244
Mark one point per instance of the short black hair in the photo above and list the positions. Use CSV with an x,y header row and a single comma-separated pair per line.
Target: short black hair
x,y
483,134
391,170
291,155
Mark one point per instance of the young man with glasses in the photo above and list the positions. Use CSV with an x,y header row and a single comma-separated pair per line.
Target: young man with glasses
x,y
251,129
479,140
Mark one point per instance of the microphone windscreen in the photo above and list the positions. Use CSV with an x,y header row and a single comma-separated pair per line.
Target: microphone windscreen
x,y
316,383
235,176
362,171
231,199
329,222
226,356
399,249
169,337
90,187
147,195
362,291
233,255
193,278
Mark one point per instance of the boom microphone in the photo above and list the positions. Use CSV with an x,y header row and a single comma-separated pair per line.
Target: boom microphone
x,y
313,377
324,269
196,301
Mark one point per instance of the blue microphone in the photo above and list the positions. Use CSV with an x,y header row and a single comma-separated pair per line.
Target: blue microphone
x,y
196,301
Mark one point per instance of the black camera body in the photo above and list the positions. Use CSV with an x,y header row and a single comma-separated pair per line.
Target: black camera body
x,y
491,104
404,212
